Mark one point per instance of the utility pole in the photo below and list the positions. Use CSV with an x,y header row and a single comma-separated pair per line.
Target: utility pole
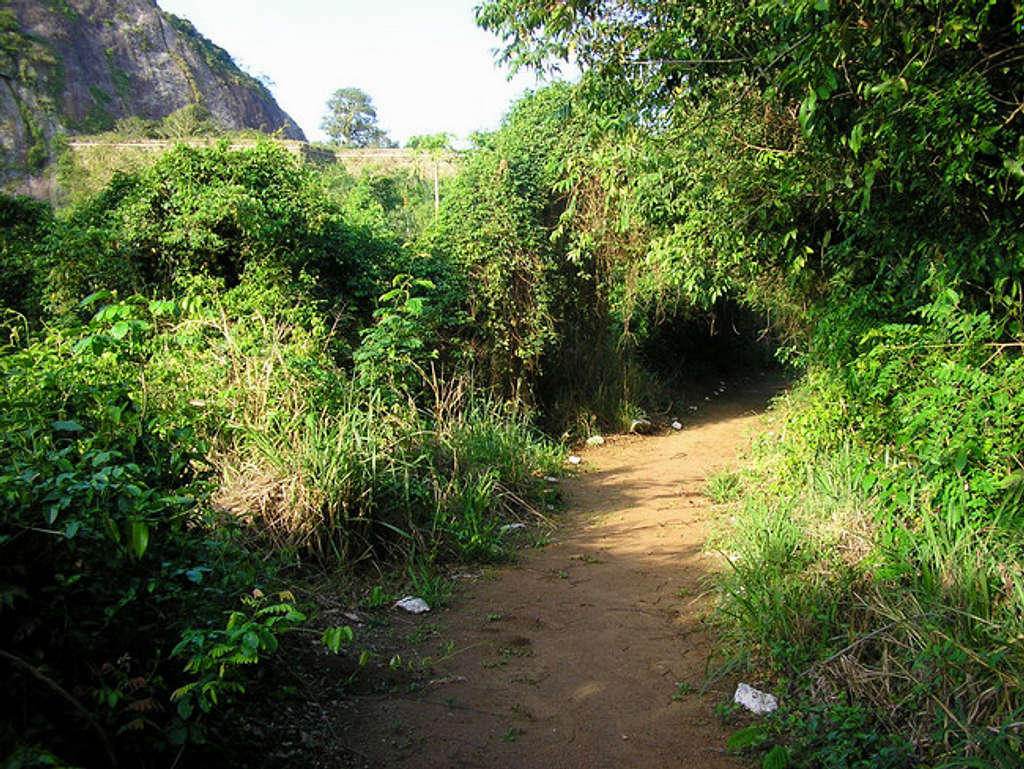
x,y
437,193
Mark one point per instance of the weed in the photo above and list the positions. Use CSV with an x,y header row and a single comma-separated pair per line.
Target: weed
x,y
511,735
683,689
422,633
432,587
378,598
723,487
519,710
508,652
524,679
446,649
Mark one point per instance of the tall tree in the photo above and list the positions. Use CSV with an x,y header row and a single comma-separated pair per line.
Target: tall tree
x,y
351,120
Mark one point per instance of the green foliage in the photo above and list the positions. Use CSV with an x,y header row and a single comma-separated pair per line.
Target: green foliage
x,y
836,736
397,204
844,133
425,583
23,223
724,486
214,655
214,211
889,570
185,123
496,225
222,370
351,120
392,349
108,545
430,142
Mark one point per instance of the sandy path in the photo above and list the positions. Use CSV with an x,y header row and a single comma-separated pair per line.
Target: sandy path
x,y
571,658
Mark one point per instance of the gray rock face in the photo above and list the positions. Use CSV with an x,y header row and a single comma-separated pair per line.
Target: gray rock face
x,y
80,65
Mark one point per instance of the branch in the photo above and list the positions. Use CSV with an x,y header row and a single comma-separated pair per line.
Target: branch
x,y
39,675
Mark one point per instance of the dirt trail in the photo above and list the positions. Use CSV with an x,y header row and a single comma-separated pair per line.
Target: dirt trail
x,y
571,658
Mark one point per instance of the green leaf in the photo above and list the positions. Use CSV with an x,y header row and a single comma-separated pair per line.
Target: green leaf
x,y
961,461
776,758
856,138
72,529
748,737
868,482
94,297
251,642
67,426
185,709
140,537
334,637
121,329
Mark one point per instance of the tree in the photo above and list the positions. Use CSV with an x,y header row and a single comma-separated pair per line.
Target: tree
x,y
351,120
430,142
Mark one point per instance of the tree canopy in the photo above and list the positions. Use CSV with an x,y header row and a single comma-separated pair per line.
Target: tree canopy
x,y
351,120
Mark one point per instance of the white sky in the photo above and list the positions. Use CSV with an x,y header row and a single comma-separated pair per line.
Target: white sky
x,y
425,63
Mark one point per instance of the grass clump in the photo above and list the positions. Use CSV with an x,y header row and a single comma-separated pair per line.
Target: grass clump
x,y
881,582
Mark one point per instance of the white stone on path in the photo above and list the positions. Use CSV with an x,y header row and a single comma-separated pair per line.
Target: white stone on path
x,y
412,605
757,702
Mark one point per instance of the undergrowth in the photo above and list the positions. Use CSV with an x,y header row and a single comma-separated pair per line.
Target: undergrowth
x,y
876,572
211,379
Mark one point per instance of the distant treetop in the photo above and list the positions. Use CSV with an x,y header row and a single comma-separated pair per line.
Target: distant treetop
x,y
430,142
351,120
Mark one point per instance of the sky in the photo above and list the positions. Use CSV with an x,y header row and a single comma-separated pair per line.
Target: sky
x,y
425,63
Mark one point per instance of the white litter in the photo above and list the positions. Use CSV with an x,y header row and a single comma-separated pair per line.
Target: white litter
x,y
412,605
640,425
511,527
677,425
757,702
595,440
574,460
550,479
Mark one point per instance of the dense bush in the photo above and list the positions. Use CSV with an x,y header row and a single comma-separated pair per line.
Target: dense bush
x,y
852,171
109,546
218,212
216,375
23,223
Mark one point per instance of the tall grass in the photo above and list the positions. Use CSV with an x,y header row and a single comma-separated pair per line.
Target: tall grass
x,y
852,580
325,466
370,478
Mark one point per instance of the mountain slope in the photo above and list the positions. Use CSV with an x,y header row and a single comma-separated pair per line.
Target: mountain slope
x,y
78,66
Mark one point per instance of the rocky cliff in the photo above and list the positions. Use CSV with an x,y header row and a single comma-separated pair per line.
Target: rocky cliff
x,y
78,66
